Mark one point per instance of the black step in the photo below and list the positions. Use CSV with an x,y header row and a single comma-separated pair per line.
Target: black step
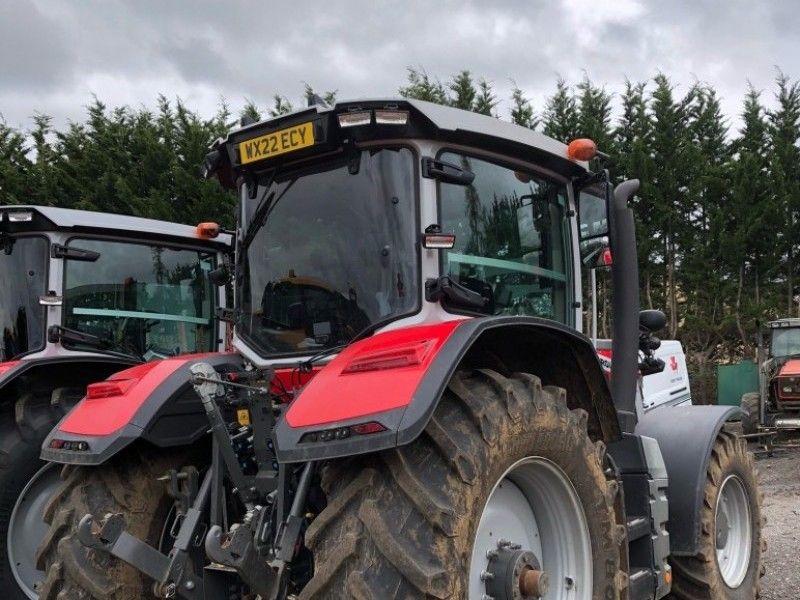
x,y
641,585
638,527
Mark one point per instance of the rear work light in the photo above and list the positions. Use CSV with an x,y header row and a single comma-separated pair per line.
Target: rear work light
x,y
433,238
108,389
434,241
20,216
354,119
391,117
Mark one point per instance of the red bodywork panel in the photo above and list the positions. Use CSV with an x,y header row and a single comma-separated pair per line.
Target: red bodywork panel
x,y
383,373
104,416
7,366
790,367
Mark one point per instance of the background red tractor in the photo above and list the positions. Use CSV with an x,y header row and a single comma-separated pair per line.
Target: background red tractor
x,y
773,413
436,425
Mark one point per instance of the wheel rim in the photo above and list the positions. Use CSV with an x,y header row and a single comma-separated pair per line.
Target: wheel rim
x,y
535,507
733,531
26,529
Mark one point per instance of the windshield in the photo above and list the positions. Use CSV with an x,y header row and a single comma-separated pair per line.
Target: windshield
x,y
23,278
338,253
147,301
785,342
512,236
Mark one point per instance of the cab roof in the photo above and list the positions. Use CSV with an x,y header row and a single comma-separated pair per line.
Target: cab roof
x,y
50,218
781,323
427,120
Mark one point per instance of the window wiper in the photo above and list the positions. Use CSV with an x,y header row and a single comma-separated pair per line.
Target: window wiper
x,y
262,213
58,333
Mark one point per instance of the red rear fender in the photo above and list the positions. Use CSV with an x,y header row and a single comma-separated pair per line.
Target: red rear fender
x,y
372,376
153,401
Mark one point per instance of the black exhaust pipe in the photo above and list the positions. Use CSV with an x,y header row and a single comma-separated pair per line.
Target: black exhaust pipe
x,y
625,305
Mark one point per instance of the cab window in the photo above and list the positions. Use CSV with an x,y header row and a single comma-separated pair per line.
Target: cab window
x,y
512,235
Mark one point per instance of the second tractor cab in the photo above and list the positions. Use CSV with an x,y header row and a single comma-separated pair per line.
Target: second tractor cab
x,y
773,413
83,295
412,410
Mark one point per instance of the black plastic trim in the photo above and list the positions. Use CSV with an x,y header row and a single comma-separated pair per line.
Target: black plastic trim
x,y
685,435
288,448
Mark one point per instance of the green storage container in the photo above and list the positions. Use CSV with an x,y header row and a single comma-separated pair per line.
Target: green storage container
x,y
733,381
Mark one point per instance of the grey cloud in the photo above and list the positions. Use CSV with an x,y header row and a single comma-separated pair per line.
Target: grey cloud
x,y
35,55
203,50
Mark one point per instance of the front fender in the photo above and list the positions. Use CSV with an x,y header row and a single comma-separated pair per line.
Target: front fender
x,y
685,435
157,403
417,364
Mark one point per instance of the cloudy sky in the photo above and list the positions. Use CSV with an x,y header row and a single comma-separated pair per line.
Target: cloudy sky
x,y
55,54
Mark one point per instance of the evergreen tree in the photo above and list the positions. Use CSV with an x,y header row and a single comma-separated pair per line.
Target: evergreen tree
x,y
422,87
485,101
464,94
594,115
784,132
561,117
521,109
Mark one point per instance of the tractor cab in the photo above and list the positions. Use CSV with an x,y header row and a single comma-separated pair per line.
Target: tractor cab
x,y
400,217
783,339
110,286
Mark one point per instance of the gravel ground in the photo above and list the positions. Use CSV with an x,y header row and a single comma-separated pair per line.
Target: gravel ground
x,y
780,482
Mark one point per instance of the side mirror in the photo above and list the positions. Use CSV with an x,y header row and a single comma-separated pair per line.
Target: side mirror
x,y
595,253
652,320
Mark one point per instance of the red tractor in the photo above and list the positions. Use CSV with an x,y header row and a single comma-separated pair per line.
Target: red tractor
x,y
83,295
773,413
426,420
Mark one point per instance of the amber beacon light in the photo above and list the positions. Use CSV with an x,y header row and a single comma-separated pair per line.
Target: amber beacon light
x,y
582,149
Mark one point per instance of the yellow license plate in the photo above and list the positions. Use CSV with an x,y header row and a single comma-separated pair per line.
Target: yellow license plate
x,y
277,143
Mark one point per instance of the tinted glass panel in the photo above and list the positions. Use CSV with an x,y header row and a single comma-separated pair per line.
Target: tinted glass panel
x,y
337,253
785,342
512,236
23,278
146,300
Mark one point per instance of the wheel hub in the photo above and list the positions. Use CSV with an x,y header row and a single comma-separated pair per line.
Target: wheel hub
x,y
514,574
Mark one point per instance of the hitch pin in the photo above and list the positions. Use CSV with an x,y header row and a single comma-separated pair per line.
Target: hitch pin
x,y
203,379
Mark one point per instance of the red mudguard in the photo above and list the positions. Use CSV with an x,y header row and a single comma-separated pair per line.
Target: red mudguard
x,y
374,376
110,412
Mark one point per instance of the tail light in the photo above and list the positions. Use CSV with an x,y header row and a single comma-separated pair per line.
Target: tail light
x,y
109,389
392,358
342,433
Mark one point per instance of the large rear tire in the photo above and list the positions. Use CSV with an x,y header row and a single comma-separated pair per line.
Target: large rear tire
x,y
128,485
404,524
728,565
25,485
750,402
